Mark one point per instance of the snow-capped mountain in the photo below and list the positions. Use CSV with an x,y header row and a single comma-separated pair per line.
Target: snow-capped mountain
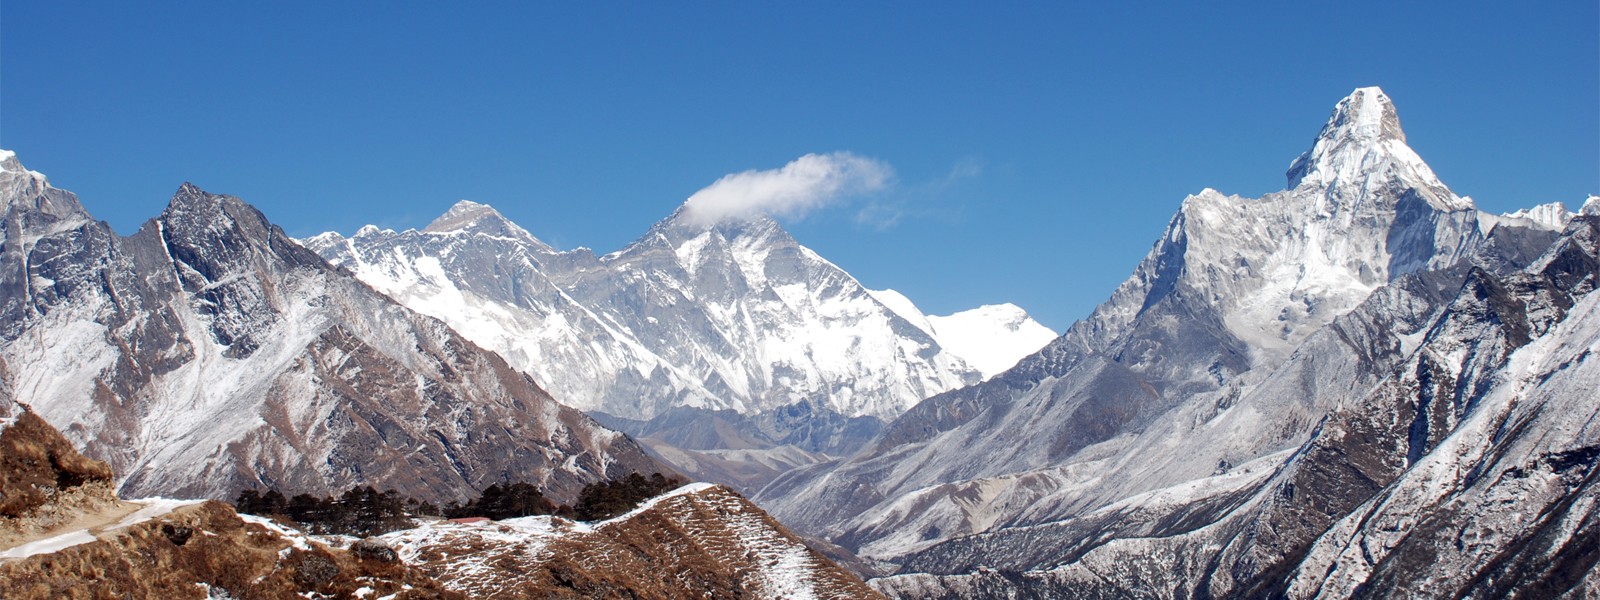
x,y
732,315
209,351
1180,404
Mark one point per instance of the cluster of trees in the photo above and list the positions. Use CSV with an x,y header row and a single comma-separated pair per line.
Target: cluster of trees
x,y
606,499
513,500
363,511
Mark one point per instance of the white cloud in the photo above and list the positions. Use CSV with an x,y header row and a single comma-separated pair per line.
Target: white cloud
x,y
806,183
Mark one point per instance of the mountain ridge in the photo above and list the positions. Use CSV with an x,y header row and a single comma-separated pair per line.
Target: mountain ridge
x,y
729,272
209,351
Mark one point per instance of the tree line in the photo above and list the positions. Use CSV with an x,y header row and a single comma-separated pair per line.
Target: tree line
x,y
363,511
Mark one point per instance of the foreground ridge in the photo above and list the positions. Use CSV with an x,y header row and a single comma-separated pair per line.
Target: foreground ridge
x,y
694,542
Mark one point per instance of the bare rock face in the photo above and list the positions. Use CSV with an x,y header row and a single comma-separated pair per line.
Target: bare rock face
x,y
210,352
699,541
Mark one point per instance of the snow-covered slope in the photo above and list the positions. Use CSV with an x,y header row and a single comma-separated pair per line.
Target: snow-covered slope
x,y
1245,326
729,315
208,351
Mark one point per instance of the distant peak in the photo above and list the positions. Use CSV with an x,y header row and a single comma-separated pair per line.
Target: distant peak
x,y
685,221
1553,215
475,217
462,215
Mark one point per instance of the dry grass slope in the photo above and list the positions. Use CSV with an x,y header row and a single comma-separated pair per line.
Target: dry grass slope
x,y
198,550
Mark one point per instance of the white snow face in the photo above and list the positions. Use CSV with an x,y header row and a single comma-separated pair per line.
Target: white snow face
x,y
991,338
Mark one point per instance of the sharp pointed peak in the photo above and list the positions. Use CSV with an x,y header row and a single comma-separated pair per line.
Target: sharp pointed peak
x,y
190,189
190,197
1363,139
1363,121
686,219
1591,207
1367,114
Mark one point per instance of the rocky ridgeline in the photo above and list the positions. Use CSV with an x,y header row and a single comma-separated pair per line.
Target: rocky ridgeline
x,y
209,352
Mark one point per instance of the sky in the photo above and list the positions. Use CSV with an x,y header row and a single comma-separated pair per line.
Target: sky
x,y
962,153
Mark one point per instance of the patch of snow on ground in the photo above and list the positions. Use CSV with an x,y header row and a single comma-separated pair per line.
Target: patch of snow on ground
x,y
693,488
296,537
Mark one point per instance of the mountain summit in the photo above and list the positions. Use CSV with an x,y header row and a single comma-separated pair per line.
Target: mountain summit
x,y
467,216
724,335
1363,146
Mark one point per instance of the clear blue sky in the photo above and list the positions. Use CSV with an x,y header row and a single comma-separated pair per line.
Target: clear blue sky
x,y
1040,148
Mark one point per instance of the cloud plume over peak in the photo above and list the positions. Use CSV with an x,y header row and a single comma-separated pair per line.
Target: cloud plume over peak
x,y
806,183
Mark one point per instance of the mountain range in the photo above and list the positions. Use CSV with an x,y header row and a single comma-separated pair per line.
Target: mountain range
x,y
1360,385
731,350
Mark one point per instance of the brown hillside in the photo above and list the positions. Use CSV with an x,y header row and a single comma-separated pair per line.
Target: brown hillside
x,y
37,466
197,551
